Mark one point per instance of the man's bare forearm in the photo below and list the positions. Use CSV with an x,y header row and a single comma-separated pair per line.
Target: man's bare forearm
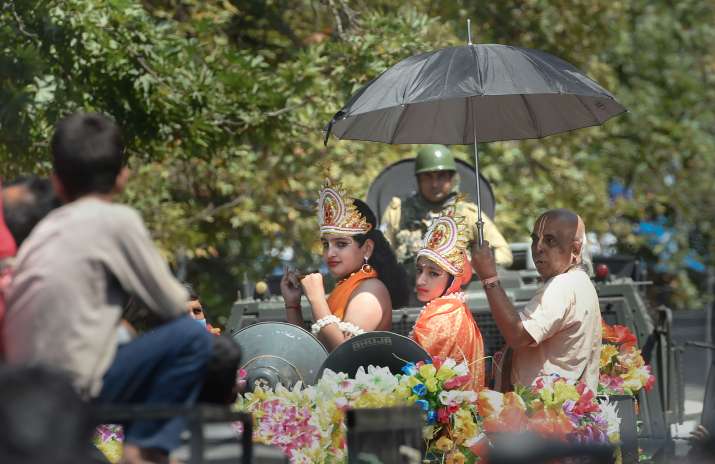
x,y
507,319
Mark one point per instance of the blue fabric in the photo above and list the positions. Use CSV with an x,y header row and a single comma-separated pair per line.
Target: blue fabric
x,y
164,366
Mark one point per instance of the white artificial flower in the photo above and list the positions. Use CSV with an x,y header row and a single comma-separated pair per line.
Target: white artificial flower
x,y
457,397
382,379
609,411
461,369
449,363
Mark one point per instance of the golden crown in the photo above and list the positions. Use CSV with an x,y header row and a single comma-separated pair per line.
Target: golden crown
x,y
337,213
446,241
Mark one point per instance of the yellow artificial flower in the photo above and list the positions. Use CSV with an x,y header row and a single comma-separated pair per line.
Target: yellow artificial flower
x,y
444,444
607,354
112,450
445,373
431,384
464,426
427,371
564,391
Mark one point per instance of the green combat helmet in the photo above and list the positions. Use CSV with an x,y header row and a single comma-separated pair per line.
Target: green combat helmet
x,y
434,158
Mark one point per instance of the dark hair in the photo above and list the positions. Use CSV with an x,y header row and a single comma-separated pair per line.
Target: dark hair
x,y
450,281
87,154
221,372
24,211
193,296
383,259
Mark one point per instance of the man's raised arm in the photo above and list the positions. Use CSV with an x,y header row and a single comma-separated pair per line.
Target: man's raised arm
x,y
503,311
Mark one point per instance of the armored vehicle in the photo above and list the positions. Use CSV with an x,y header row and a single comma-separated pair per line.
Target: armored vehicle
x,y
621,295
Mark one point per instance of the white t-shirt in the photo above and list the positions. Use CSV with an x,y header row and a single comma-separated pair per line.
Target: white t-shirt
x,y
73,276
564,319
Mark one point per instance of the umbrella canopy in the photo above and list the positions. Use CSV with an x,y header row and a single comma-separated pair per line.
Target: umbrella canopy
x,y
514,93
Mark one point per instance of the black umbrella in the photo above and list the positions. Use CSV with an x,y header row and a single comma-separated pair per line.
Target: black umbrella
x,y
474,93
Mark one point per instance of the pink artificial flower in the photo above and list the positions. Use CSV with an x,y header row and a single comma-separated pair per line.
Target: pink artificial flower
x,y
456,382
437,362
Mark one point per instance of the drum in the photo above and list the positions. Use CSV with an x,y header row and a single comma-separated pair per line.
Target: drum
x,y
385,349
275,353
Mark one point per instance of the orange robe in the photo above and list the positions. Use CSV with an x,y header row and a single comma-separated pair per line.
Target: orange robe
x,y
446,328
340,296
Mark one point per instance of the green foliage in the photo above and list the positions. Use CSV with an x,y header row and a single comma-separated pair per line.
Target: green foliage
x,y
222,104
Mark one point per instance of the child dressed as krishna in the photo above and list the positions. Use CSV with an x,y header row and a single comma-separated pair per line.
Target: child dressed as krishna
x,y
445,326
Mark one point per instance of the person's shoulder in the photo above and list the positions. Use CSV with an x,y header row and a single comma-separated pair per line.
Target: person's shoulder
x,y
465,204
374,286
466,208
121,221
571,280
125,214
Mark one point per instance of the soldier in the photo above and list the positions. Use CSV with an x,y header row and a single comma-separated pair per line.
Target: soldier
x,y
405,222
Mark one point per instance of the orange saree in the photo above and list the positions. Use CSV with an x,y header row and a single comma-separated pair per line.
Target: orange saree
x,y
340,296
446,328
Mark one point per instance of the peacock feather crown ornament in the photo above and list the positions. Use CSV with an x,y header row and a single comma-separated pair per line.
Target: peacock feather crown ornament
x,y
337,214
446,241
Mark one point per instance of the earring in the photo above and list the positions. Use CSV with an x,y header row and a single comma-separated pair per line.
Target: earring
x,y
366,268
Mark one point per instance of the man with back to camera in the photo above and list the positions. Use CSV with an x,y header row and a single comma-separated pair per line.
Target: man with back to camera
x,y
559,330
405,221
73,276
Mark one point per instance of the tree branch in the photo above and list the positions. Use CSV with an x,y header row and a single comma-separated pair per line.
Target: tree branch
x,y
21,24
213,210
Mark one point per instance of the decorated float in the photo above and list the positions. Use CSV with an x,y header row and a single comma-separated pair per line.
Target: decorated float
x,y
308,422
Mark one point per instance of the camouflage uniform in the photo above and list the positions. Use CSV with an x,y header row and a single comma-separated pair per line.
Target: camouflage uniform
x,y
405,223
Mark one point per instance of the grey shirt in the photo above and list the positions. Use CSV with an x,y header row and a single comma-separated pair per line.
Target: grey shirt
x,y
72,278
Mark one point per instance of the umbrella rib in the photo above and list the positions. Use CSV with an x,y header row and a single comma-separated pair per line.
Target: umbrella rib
x,y
418,75
449,68
534,122
399,121
479,71
595,118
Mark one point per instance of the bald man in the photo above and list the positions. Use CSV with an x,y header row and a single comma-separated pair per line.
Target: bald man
x,y
559,329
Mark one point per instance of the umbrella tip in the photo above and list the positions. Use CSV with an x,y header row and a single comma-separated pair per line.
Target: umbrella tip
x,y
469,31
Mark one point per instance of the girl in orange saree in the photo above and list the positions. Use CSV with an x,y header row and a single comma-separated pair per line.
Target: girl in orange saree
x,y
445,326
370,282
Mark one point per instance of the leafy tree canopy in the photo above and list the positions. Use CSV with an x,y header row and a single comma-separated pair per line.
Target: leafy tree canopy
x,y
222,104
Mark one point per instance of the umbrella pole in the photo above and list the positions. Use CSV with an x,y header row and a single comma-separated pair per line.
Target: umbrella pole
x,y
480,222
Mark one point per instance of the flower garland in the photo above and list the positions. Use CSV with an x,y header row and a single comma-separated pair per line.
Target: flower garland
x,y
109,439
623,370
308,423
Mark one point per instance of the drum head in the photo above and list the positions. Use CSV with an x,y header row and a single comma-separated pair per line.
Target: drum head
x,y
385,349
278,352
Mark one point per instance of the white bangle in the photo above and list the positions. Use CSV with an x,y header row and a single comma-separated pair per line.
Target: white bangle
x,y
350,328
322,322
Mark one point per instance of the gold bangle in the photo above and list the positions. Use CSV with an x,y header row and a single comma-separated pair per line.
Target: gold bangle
x,y
491,284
